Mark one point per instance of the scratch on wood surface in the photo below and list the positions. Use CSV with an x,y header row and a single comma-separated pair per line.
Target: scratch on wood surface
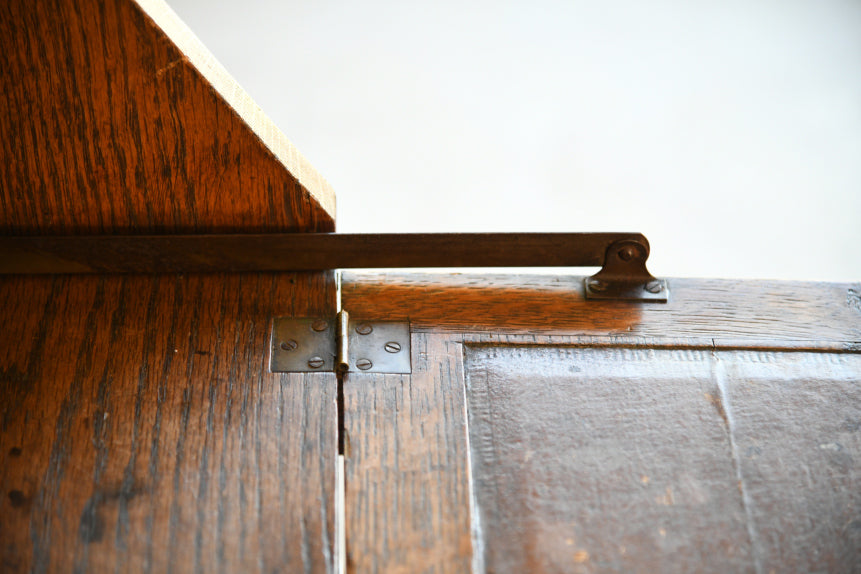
x,y
169,67
853,299
717,402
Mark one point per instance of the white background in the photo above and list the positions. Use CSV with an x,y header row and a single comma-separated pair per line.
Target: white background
x,y
727,131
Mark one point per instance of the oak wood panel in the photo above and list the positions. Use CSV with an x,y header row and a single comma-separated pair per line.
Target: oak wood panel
x,y
407,487
623,460
796,423
699,310
545,314
116,120
141,431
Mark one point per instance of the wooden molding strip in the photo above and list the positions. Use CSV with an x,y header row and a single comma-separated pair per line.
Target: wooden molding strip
x,y
308,251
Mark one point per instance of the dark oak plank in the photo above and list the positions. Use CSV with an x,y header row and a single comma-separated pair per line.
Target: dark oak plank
x,y
602,460
796,422
624,460
719,310
115,119
140,429
407,488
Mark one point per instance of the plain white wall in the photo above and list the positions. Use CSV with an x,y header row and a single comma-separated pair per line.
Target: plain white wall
x,y
728,131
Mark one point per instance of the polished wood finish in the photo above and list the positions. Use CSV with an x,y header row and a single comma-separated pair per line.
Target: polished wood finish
x,y
716,432
141,430
116,120
709,312
623,460
406,455
796,424
314,251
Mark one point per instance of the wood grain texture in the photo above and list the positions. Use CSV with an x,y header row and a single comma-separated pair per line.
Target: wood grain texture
x,y
712,310
141,431
407,487
796,423
116,120
733,444
624,460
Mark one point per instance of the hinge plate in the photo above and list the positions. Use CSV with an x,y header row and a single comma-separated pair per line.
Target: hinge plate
x,y
303,345
311,345
379,347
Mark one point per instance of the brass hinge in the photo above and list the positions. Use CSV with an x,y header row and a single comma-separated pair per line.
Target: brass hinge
x,y
339,344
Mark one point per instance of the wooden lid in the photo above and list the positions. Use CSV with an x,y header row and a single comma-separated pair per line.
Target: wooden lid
x,y
116,120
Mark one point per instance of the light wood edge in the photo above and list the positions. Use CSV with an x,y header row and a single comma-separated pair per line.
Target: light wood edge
x,y
238,99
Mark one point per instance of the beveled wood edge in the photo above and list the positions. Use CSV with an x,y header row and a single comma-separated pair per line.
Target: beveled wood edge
x,y
476,339
239,100
721,314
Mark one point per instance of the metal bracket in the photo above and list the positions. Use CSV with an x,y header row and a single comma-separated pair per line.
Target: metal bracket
x,y
624,275
622,255
308,345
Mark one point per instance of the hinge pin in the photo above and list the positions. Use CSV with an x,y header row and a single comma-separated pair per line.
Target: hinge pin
x,y
342,359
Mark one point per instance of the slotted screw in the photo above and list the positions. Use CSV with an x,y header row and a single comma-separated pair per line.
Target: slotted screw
x,y
315,362
364,364
319,325
654,286
393,347
364,329
596,285
289,345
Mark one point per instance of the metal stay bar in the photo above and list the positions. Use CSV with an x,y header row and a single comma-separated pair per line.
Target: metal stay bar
x,y
622,256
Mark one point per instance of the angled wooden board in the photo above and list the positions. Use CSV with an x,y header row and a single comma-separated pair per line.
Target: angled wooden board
x,y
115,119
140,429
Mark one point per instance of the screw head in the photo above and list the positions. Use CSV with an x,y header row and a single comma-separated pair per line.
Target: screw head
x,y
315,362
596,285
364,329
289,345
393,347
364,364
320,325
654,286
